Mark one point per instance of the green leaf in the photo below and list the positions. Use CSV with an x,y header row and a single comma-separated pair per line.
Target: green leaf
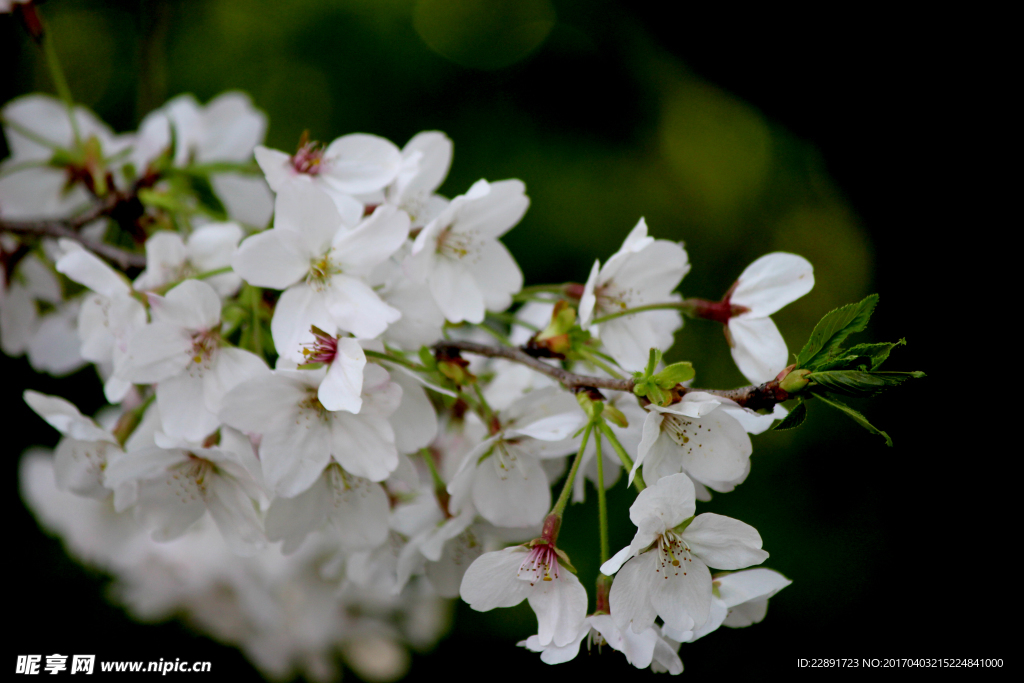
x,y
829,399
795,418
859,383
207,197
862,357
833,329
674,374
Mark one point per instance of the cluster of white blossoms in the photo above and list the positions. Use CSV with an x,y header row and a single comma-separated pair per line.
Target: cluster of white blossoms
x,y
297,456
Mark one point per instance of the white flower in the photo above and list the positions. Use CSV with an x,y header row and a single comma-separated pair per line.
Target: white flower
x,y
505,577
300,436
39,131
169,258
179,481
643,271
640,649
352,164
426,159
226,129
182,351
458,253
356,508
321,264
664,571
503,476
107,318
31,282
739,599
83,453
699,435
765,286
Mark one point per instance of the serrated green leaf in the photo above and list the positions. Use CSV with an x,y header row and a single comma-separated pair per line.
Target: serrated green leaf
x,y
674,374
859,383
862,357
833,329
829,399
795,418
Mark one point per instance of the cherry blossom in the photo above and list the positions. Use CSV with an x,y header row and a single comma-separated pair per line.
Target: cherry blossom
x,y
664,571
458,253
321,264
643,271
505,578
765,286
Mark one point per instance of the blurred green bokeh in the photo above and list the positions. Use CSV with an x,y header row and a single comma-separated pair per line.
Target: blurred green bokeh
x,y
603,126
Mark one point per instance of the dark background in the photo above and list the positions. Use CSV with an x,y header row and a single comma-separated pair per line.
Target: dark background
x,y
839,139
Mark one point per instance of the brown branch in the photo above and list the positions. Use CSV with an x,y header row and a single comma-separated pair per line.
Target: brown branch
x,y
754,397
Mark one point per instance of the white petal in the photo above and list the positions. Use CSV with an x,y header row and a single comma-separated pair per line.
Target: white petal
x,y
618,559
271,259
235,515
87,269
156,352
183,410
364,445
638,647
309,215
356,308
292,519
63,416
360,163
494,213
231,367
682,594
373,241
276,166
589,299
415,420
496,273
752,584
630,596
299,308
670,501
294,451
247,199
724,542
456,292
359,510
560,606
194,305
343,385
518,495
491,580
758,348
772,281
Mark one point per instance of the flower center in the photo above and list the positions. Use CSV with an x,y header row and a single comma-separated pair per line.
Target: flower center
x,y
456,245
204,345
674,554
191,478
311,405
309,159
320,272
540,565
323,349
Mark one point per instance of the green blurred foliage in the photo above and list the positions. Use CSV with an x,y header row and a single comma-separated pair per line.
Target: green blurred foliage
x,y
604,127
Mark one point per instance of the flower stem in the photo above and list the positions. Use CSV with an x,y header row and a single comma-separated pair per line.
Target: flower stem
x,y
488,413
597,362
563,497
682,306
602,505
60,82
394,359
627,462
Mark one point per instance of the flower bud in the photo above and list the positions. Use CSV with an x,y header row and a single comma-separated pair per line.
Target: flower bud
x,y
795,381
